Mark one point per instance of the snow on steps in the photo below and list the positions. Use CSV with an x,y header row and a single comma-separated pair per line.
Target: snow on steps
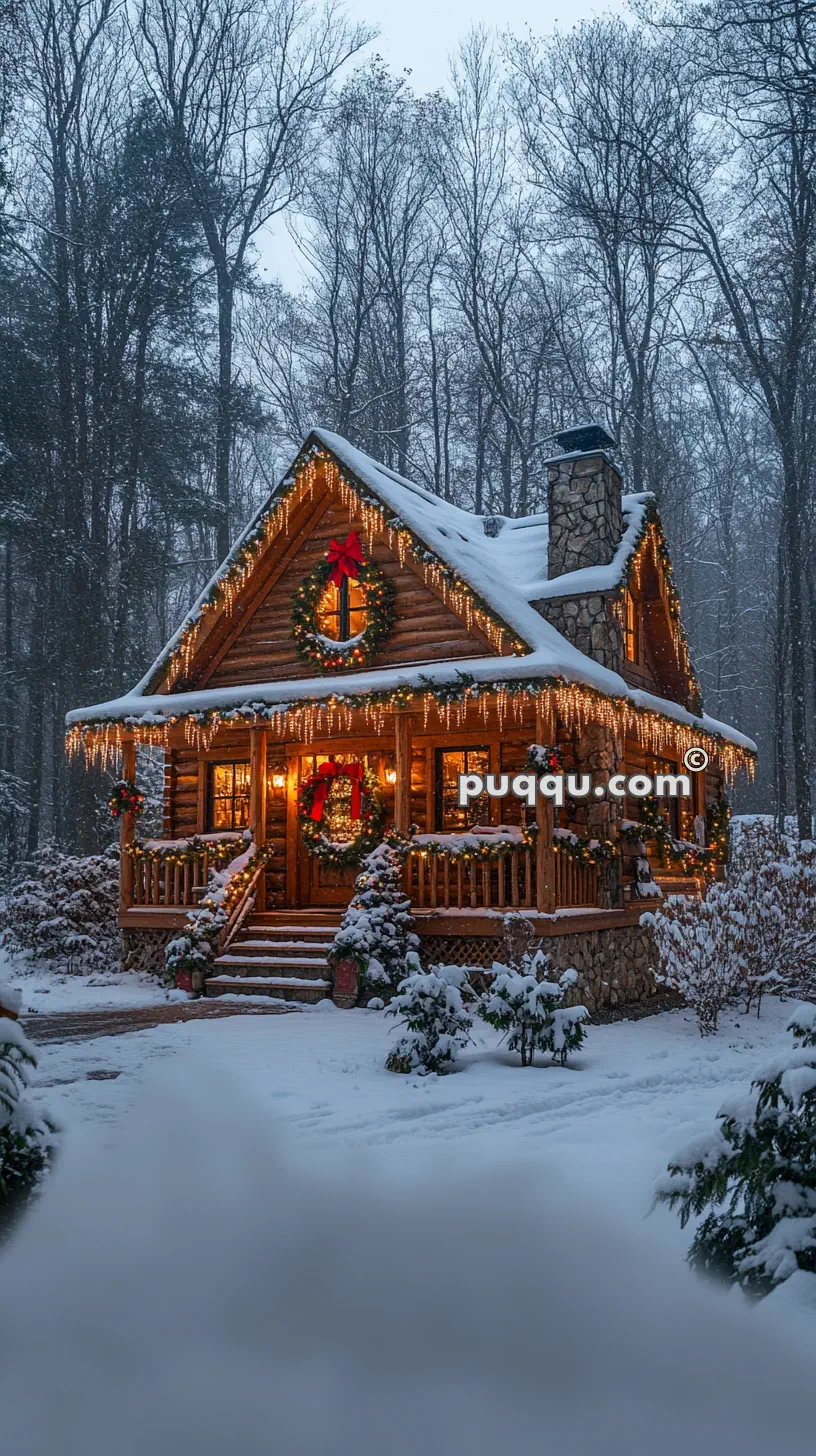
x,y
279,953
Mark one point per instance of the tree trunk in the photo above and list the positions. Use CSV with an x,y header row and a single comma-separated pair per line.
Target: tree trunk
x,y
224,421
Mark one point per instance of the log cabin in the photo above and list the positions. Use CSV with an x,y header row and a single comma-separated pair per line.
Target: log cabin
x,y
365,643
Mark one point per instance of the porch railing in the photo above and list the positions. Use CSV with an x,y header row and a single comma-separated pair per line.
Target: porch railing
x,y
575,884
173,873
490,871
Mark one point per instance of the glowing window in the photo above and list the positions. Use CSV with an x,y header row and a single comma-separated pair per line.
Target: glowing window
x,y
631,626
229,796
450,763
341,611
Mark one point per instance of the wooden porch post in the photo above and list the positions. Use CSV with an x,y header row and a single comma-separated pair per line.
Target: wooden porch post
x,y
257,801
545,855
403,726
127,826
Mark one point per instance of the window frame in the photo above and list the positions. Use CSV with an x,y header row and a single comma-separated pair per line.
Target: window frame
x,y
344,611
631,627
233,764
438,788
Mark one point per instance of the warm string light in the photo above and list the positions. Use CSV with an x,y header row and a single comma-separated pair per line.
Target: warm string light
x,y
575,705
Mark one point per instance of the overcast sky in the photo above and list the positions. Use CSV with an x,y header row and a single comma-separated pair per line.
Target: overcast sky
x,y
420,35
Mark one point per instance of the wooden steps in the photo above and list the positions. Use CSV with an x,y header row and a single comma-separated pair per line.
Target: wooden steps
x,y
280,953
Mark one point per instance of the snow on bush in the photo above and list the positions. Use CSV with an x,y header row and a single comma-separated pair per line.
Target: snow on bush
x,y
26,1140
755,932
525,1002
698,944
431,1005
62,908
375,931
528,1008
756,1174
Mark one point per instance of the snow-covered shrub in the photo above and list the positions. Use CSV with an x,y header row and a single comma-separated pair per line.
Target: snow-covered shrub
x,y
62,908
26,1139
431,1005
376,928
528,1008
698,945
756,1173
753,933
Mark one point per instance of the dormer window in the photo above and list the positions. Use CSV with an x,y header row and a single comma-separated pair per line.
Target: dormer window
x,y
631,627
341,611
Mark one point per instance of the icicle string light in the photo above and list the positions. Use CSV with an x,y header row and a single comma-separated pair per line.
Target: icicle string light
x,y
298,487
575,704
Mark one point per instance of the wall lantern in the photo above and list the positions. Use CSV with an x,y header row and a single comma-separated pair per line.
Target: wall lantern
x,y
390,775
279,780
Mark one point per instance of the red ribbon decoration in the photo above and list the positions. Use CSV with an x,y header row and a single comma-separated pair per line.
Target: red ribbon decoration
x,y
345,560
323,780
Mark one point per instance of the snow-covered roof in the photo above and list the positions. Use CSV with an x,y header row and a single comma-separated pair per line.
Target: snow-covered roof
x,y
507,569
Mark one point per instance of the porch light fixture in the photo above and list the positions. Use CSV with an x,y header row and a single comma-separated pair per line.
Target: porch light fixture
x,y
279,780
390,775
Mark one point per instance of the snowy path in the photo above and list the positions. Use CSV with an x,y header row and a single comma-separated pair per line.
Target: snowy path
x,y
637,1092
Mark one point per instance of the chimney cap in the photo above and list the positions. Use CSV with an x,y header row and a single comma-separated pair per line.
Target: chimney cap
x,y
584,439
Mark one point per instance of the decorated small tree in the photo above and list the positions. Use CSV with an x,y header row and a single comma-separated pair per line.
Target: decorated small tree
x,y
375,931
431,1005
26,1140
525,1002
756,1175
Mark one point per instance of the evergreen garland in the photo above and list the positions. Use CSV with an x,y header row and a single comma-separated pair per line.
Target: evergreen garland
x,y
125,798
328,656
368,836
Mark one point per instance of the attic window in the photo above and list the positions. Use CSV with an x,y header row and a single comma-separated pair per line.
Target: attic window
x,y
631,627
341,611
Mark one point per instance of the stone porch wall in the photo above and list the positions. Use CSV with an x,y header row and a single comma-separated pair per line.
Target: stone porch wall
x,y
615,967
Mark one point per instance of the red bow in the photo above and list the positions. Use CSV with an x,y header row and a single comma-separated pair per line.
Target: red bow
x,y
346,559
323,780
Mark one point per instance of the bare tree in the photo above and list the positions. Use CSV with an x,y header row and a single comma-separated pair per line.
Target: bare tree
x,y
243,85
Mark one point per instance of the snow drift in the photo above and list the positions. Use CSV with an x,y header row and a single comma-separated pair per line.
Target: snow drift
x,y
192,1291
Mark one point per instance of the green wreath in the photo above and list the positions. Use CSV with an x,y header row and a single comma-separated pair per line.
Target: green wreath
x,y
320,651
371,821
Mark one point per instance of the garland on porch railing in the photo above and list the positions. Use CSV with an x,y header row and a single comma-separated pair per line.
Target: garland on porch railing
x,y
681,853
575,703
185,852
484,851
192,953
583,848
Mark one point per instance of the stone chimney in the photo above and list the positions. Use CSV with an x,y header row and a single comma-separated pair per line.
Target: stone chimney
x,y
584,499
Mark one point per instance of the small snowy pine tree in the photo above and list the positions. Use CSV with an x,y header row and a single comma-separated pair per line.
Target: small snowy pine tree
x,y
430,1004
26,1140
376,928
756,1173
528,1009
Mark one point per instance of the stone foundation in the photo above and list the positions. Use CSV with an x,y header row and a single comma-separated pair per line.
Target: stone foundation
x,y
615,967
143,950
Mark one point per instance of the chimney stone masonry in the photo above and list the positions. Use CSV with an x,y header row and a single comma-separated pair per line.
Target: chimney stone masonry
x,y
585,529
584,499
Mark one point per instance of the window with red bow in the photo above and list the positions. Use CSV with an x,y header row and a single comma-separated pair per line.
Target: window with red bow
x,y
341,611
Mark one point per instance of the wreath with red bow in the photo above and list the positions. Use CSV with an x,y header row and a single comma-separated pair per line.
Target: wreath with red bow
x,y
366,812
125,798
343,559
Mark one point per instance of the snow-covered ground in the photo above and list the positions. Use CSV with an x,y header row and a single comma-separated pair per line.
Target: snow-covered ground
x,y
47,990
635,1094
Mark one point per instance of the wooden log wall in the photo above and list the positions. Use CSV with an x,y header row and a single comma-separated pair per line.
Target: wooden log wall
x,y
263,649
